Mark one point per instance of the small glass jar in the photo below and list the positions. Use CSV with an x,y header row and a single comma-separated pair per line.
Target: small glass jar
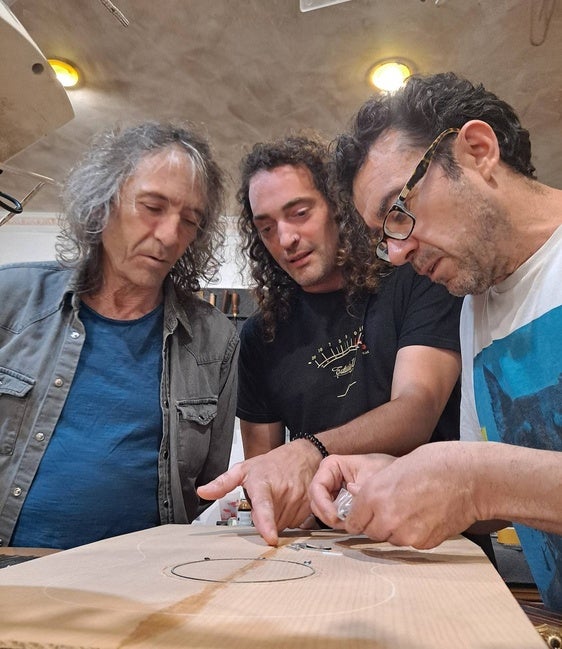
x,y
244,512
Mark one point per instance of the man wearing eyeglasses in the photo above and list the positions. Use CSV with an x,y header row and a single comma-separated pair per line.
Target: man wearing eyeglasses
x,y
471,216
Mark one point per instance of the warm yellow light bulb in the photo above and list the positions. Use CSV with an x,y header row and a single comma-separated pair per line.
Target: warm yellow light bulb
x,y
389,76
66,73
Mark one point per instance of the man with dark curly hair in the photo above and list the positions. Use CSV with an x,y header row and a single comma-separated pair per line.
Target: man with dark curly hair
x,y
117,384
346,354
441,172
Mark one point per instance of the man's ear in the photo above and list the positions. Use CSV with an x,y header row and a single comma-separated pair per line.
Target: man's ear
x,y
477,147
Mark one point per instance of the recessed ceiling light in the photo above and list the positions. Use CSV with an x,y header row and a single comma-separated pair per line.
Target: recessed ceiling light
x,y
389,75
66,72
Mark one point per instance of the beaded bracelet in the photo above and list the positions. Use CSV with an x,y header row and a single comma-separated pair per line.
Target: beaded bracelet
x,y
314,440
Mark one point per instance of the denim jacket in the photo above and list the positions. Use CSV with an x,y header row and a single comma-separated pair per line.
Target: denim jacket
x,y
41,337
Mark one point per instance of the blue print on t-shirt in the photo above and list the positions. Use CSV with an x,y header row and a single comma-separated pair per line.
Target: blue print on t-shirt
x,y
518,391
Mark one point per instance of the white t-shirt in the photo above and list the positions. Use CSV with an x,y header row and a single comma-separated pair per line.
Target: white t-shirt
x,y
511,345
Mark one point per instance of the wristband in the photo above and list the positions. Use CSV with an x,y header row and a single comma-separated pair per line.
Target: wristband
x,y
315,441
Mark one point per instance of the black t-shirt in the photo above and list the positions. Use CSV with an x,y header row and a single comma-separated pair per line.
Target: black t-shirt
x,y
330,363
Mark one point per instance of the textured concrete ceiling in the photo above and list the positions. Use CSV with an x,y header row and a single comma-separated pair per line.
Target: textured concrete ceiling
x,y
247,70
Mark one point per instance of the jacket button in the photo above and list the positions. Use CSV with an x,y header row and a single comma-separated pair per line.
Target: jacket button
x,y
166,503
16,491
58,383
40,437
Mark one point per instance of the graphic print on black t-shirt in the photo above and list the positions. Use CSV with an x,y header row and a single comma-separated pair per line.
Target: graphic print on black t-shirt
x,y
314,375
339,358
330,362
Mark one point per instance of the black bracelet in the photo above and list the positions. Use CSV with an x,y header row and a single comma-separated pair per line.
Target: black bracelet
x,y
314,440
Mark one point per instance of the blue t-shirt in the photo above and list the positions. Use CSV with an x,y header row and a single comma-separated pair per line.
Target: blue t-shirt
x,y
99,475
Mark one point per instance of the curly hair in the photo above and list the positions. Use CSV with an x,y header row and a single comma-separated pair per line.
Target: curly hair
x,y
422,108
273,287
92,189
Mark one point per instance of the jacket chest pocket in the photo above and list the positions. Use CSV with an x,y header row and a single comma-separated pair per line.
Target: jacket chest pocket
x,y
14,391
197,411
193,440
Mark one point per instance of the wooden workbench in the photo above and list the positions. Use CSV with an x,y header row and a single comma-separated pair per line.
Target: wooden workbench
x,y
223,587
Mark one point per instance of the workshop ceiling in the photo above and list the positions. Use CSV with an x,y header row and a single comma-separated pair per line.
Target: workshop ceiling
x,y
248,70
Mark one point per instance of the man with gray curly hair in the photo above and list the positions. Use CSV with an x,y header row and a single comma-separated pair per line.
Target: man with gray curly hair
x,y
117,383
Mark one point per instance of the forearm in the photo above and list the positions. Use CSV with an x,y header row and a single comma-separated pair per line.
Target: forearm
x,y
421,385
394,428
261,438
518,484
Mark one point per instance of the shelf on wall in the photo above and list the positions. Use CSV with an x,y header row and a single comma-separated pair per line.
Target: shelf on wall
x,y
222,298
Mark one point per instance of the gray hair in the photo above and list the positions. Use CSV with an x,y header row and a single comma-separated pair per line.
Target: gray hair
x,y
93,186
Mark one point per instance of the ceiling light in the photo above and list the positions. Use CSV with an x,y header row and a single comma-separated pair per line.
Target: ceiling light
x,y
67,74
389,75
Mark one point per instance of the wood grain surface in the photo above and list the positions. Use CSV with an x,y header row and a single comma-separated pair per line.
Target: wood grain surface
x,y
223,587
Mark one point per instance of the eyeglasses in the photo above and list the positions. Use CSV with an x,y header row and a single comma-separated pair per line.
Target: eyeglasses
x,y
399,222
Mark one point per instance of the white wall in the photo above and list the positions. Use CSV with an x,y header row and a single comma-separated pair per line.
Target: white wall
x,y
32,236
29,237
230,275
